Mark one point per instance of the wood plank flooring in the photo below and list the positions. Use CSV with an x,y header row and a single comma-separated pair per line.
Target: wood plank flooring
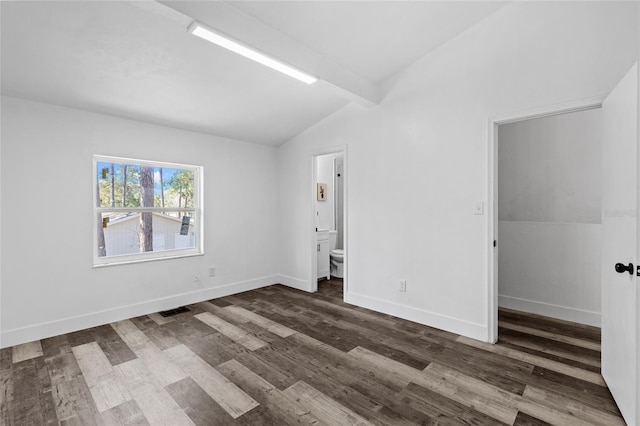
x,y
278,356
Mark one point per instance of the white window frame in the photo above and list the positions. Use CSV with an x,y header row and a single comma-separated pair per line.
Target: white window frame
x,y
197,210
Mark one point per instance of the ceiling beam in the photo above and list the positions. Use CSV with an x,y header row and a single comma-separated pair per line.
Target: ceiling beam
x,y
223,17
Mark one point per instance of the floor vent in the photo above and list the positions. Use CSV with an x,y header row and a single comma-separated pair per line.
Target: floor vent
x,y
174,311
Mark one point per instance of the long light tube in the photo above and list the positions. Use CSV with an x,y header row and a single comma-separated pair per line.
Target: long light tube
x,y
199,30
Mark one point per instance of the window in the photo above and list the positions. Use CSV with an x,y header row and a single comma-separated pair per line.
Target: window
x,y
145,210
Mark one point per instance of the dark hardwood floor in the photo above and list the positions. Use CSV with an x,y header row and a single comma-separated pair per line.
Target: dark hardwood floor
x,y
278,356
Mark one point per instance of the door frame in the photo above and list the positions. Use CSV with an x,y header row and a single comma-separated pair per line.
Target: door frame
x,y
340,149
638,236
492,191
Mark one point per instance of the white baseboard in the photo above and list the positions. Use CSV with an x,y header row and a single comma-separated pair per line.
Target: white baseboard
x,y
549,310
81,322
431,319
296,283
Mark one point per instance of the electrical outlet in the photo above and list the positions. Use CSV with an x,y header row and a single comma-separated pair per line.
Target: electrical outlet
x,y
403,285
212,272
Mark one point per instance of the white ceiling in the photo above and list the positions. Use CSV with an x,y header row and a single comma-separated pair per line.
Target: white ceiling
x,y
136,60
374,39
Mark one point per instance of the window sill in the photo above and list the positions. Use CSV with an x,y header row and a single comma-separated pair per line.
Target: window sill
x,y
117,262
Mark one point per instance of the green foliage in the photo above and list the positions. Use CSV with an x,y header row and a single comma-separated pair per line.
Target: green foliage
x,y
181,187
104,192
132,188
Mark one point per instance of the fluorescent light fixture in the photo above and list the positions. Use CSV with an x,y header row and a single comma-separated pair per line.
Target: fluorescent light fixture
x,y
201,31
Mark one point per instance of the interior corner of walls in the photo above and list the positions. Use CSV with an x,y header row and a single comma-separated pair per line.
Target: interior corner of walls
x,y
420,316
549,310
67,325
296,283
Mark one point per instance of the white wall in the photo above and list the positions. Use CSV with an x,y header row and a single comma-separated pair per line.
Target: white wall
x,y
551,269
325,174
417,163
550,169
48,284
550,172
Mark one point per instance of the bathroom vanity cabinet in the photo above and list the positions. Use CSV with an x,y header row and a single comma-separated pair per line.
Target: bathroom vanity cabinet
x,y
322,239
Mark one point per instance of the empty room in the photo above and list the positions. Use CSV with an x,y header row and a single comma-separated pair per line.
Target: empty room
x,y
319,212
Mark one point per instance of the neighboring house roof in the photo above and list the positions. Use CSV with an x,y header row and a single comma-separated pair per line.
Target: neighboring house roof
x,y
117,218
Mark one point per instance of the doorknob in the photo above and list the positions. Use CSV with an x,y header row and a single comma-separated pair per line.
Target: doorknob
x,y
620,268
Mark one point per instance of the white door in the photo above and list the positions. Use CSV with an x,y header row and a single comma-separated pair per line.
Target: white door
x,y
619,238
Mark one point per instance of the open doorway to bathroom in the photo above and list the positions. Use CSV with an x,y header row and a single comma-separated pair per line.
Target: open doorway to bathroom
x,y
329,215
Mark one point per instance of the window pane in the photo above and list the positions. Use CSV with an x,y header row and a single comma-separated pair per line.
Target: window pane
x,y
134,185
119,185
175,187
135,232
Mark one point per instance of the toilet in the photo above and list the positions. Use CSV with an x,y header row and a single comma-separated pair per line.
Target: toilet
x,y
337,263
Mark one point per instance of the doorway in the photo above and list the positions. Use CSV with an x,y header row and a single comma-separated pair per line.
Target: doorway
x,y
619,240
529,214
329,230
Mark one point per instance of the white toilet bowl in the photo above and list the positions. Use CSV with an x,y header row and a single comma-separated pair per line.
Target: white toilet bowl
x,y
337,263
